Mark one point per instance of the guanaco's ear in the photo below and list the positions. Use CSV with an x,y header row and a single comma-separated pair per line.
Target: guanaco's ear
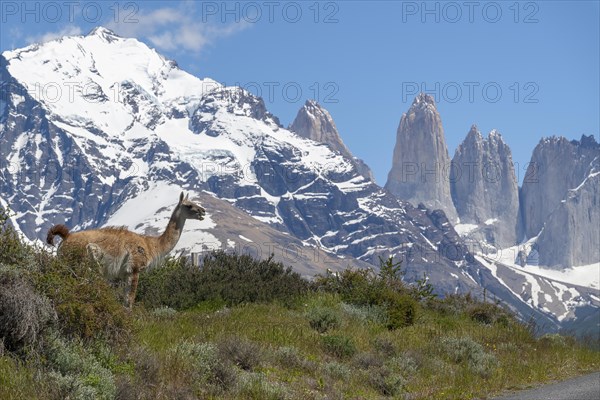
x,y
181,197
187,195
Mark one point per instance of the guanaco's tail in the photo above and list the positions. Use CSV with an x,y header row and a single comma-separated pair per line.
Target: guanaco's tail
x,y
59,230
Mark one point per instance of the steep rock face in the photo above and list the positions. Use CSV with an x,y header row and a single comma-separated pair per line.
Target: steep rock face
x,y
315,123
556,166
420,170
485,190
571,234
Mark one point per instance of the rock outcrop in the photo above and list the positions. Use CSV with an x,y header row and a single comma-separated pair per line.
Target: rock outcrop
x,y
420,170
560,201
315,123
485,190
571,234
556,166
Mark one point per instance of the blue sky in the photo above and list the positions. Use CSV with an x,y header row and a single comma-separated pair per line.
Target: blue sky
x,y
529,69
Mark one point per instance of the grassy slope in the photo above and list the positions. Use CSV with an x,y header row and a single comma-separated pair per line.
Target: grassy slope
x,y
522,361
423,368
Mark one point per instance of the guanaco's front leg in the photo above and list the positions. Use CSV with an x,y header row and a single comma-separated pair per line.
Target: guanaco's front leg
x,y
133,287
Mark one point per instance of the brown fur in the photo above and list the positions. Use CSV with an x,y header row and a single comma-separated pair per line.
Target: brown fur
x,y
60,230
122,254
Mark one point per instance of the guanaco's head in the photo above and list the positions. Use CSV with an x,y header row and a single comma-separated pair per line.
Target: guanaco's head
x,y
189,209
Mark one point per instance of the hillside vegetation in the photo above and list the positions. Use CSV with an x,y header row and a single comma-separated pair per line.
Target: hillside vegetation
x,y
239,328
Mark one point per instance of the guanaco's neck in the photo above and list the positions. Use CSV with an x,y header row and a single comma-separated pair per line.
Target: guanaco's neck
x,y
171,235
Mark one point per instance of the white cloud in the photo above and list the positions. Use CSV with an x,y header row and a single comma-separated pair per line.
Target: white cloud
x,y
175,29
69,30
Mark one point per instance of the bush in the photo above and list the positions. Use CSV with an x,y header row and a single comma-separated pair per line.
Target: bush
x,y
231,278
24,314
366,313
12,249
164,312
385,346
337,370
487,313
323,319
385,290
556,340
78,375
405,365
209,372
256,386
386,382
483,364
339,346
402,310
86,305
465,349
367,360
241,352
290,357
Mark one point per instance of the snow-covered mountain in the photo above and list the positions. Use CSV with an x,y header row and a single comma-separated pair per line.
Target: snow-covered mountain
x,y
91,140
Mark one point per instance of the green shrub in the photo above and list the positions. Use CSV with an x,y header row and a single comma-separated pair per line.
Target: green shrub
x,y
16,380
355,286
290,357
555,340
78,374
323,319
362,287
209,372
460,349
242,352
384,345
367,360
483,364
366,313
256,386
12,249
339,346
386,382
487,313
164,312
24,314
231,278
401,310
86,305
465,349
337,370
405,365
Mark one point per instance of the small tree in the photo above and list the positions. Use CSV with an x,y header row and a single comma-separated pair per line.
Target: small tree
x,y
12,250
391,273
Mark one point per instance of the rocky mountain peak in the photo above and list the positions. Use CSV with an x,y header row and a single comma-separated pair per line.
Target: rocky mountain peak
x,y
424,101
420,170
104,33
474,135
237,101
484,189
314,122
495,136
